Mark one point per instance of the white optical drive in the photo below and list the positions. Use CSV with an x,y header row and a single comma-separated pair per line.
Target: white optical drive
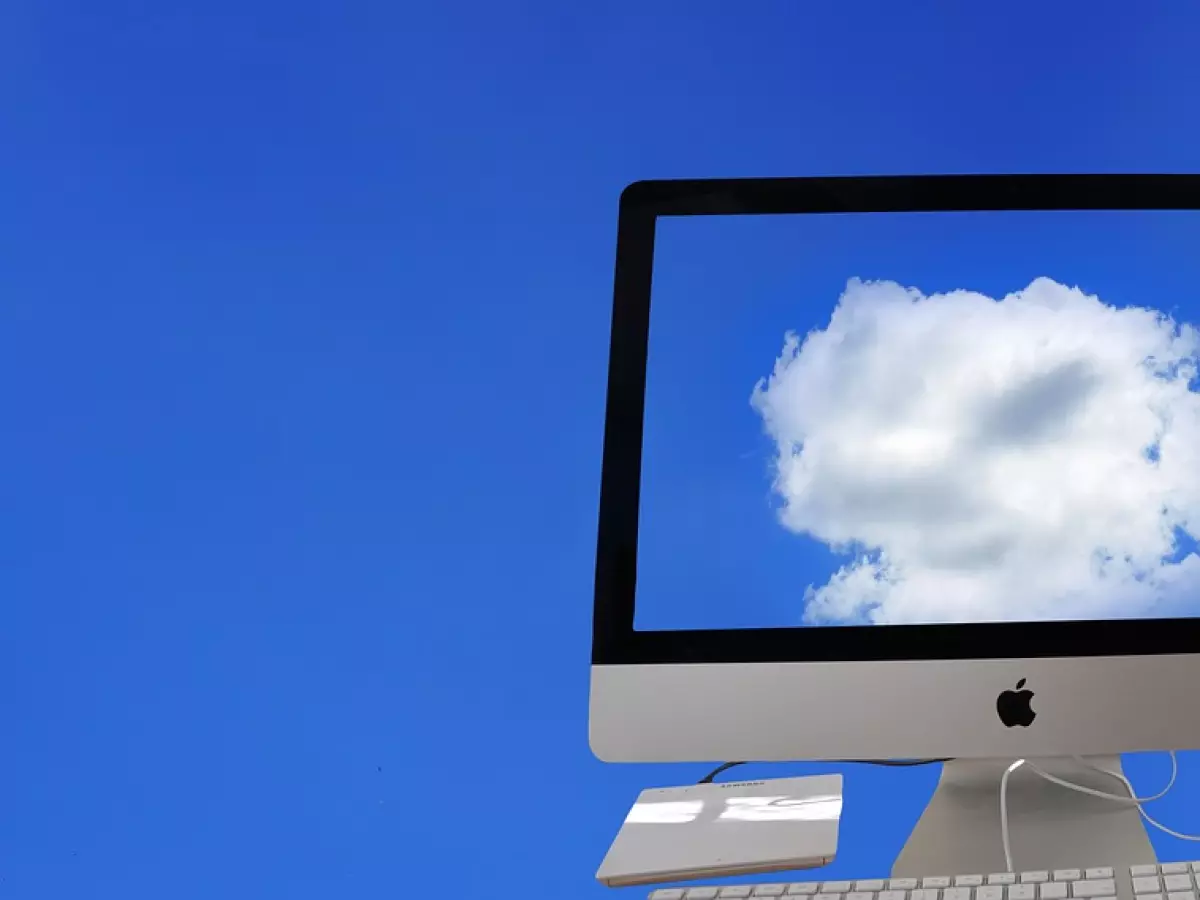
x,y
718,830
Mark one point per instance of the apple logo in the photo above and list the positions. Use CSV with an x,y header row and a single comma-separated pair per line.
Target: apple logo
x,y
1013,706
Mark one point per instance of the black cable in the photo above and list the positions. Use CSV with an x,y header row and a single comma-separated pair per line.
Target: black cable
x,y
889,763
708,779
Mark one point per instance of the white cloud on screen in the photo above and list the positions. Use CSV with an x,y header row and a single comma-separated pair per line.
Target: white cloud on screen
x,y
1024,458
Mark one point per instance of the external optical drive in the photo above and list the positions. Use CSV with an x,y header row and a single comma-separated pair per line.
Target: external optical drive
x,y
718,830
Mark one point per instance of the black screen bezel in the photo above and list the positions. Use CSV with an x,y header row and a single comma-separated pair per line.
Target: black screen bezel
x,y
614,640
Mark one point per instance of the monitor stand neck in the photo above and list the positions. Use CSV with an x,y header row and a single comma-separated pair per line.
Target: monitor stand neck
x,y
1050,827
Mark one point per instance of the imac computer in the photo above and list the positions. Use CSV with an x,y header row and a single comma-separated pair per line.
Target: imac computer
x,y
907,468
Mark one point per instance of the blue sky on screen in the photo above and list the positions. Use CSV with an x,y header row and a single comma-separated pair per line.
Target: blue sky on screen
x,y
955,417
304,317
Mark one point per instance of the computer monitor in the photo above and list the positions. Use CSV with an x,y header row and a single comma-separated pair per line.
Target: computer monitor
x,y
901,467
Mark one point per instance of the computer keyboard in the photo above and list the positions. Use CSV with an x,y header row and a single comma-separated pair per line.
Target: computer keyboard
x,y
1164,881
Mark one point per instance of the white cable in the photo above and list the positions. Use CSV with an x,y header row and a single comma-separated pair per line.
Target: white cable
x,y
1008,859
1145,815
1170,783
1133,798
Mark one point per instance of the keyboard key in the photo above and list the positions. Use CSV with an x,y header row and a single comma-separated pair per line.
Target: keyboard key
x,y
1143,871
902,884
968,881
1173,868
860,895
1146,884
874,884
1101,887
1181,895
702,893
827,896
1102,872
924,894
935,881
667,894
836,887
1053,890
1022,892
1176,882
1002,878
893,895
802,888
1067,874
1035,877
990,892
765,890
737,892
957,893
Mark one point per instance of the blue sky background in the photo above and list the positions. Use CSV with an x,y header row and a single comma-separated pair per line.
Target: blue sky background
x,y
712,553
303,327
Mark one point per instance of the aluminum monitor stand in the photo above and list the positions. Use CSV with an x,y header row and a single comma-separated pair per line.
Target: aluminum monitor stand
x,y
1049,826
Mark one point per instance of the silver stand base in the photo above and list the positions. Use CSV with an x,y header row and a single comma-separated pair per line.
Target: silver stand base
x,y
1050,827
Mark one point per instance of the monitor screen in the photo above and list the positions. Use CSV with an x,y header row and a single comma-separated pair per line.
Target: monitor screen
x,y
911,418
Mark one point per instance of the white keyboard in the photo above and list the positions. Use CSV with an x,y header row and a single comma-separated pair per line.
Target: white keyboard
x,y
1164,881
